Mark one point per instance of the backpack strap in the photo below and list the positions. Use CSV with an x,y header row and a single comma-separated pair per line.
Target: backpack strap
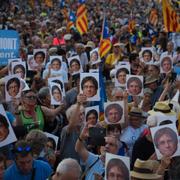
x,y
85,172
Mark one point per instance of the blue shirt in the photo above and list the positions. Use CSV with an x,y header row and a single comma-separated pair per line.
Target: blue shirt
x,y
97,168
42,172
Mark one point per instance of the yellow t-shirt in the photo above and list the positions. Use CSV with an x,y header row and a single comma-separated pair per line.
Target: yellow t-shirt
x,y
112,59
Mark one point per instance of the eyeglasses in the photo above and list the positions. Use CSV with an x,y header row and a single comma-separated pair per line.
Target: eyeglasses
x,y
23,149
31,97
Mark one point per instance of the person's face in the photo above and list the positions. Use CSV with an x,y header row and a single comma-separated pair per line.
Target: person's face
x,y
94,56
89,89
134,68
118,96
116,132
20,71
166,66
3,132
116,49
71,175
24,164
111,145
55,65
39,59
122,77
13,89
49,145
153,71
30,98
134,88
135,121
170,46
152,85
147,97
57,95
75,66
166,145
115,173
147,57
113,115
91,119
2,169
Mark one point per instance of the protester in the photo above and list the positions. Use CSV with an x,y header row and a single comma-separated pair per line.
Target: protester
x,y
67,169
49,26
25,167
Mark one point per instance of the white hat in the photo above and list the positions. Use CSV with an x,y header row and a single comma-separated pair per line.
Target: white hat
x,y
67,37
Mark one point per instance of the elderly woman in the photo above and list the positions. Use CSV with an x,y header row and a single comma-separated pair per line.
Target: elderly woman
x,y
31,115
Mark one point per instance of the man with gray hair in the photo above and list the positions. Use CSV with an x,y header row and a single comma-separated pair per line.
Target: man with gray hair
x,y
68,169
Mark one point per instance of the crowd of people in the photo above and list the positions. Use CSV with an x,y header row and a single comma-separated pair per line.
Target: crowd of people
x,y
68,114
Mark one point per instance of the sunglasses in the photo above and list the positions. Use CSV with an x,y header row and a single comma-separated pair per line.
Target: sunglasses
x,y
31,97
23,149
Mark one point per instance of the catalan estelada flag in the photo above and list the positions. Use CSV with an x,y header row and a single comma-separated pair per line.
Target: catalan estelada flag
x,y
72,20
105,43
171,19
81,15
153,17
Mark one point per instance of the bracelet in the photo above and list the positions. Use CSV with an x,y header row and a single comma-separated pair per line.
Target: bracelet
x,y
80,139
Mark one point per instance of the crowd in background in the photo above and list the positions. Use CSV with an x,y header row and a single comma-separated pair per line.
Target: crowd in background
x,y
36,156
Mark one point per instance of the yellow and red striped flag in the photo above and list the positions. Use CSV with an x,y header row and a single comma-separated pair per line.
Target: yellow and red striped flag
x,y
81,21
171,19
153,17
105,43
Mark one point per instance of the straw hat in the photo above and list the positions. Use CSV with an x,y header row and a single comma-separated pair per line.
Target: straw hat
x,y
163,107
136,112
150,79
144,169
90,44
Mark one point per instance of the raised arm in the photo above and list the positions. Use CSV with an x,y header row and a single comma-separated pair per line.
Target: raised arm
x,y
80,147
53,112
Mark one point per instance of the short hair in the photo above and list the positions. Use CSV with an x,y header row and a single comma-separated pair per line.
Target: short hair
x,y
89,78
114,106
71,110
19,66
121,70
92,111
147,51
22,148
56,59
166,58
66,165
41,53
3,121
27,91
136,79
112,127
120,164
37,139
116,89
43,93
16,80
132,57
165,131
74,60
